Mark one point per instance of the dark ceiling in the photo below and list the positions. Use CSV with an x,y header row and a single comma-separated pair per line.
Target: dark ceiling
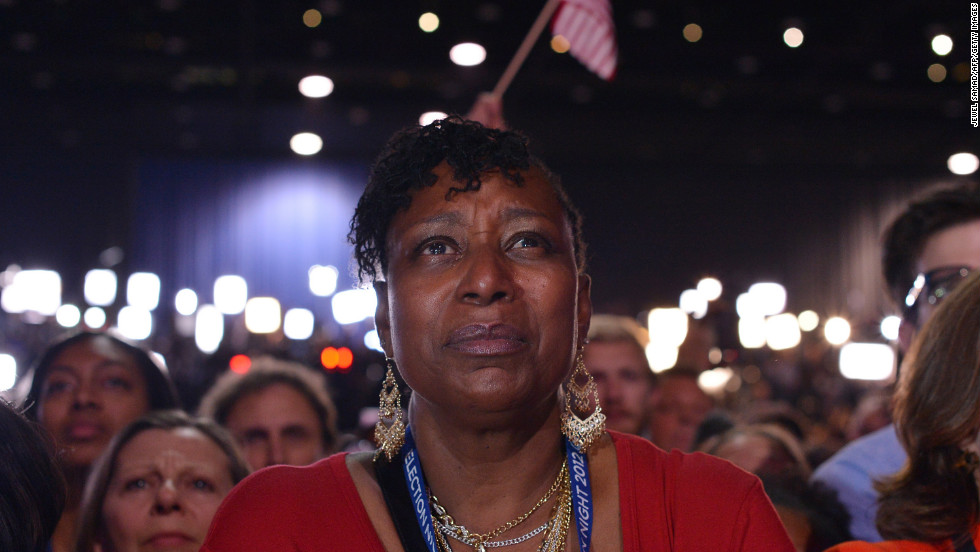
x,y
714,156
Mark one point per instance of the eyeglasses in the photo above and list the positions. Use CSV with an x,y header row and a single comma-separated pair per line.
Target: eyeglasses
x,y
936,284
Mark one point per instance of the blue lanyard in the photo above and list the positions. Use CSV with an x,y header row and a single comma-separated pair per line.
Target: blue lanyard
x,y
578,471
578,468
417,489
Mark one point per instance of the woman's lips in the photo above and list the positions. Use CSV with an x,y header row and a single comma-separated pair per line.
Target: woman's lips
x,y
163,541
487,339
84,431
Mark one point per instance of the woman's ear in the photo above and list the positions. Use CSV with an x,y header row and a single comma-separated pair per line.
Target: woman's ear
x,y
382,321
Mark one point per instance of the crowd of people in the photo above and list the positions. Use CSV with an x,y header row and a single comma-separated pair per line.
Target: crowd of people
x,y
510,415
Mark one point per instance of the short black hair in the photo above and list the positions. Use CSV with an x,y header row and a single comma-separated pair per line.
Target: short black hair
x,y
405,165
159,387
903,240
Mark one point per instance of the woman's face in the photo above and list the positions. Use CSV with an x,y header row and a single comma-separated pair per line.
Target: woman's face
x,y
92,389
483,305
166,487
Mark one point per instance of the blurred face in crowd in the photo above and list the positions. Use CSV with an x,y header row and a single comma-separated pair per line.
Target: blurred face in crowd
x,y
679,408
625,384
91,390
166,486
276,425
956,246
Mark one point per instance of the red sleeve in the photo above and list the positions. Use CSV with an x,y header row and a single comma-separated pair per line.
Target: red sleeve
x,y
694,501
310,509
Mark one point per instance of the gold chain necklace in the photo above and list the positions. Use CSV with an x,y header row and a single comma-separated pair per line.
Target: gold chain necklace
x,y
479,541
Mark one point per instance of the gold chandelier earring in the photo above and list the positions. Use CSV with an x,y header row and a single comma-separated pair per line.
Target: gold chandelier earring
x,y
581,392
389,436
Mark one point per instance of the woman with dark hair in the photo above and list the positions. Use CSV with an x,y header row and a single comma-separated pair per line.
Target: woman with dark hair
x,y
32,490
477,259
932,503
158,484
85,388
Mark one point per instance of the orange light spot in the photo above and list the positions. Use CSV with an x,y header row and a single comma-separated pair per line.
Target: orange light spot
x,y
345,358
240,364
329,358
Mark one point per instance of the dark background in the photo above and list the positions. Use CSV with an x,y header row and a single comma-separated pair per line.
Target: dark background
x,y
734,156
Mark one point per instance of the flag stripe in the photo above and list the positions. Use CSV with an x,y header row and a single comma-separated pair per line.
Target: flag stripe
x,y
588,27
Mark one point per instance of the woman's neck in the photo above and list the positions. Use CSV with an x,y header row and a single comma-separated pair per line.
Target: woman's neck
x,y
63,538
487,473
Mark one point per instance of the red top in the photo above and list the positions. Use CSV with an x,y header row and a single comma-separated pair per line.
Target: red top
x,y
667,501
901,545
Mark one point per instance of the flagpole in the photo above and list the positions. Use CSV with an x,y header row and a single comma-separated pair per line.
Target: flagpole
x,y
525,49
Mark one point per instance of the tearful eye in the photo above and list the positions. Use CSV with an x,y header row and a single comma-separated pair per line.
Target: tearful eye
x,y
528,241
436,249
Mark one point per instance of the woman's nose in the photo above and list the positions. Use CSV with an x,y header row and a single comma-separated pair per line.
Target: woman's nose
x,y
167,498
85,396
487,277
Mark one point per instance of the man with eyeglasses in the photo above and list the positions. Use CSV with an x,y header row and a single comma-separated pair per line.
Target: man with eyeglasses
x,y
928,249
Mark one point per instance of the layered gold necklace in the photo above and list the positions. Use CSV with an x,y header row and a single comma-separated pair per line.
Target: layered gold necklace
x,y
555,529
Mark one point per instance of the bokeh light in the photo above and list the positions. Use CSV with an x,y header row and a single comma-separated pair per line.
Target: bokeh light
x,y
667,326
942,44
143,290
323,280
809,320
692,32
263,315
710,288
100,287
430,117
793,37
8,371
837,330
315,86
693,303
782,331
230,294
428,22
209,329
298,324
135,322
752,332
867,361
240,364
312,18
68,316
936,72
353,305
889,327
94,317
306,143
560,44
468,54
963,163
186,301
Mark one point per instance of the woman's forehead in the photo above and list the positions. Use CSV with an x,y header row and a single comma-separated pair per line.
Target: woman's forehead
x,y
534,194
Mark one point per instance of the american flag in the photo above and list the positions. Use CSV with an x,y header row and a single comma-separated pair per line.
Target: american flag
x,y
588,27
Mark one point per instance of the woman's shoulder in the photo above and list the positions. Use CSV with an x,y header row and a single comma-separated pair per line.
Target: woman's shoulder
x,y
887,546
693,501
289,504
641,457
302,480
